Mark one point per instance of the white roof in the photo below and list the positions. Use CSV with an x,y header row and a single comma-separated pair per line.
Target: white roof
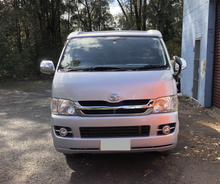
x,y
115,33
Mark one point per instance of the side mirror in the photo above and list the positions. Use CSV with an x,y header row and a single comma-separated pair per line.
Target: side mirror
x,y
177,61
47,67
184,64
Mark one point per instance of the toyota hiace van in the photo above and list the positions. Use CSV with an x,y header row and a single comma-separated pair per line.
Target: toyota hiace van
x,y
114,91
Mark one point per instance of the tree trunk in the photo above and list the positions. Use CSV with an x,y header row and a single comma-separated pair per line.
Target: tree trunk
x,y
100,14
137,18
89,16
18,35
131,14
139,15
36,45
17,25
58,33
144,16
126,17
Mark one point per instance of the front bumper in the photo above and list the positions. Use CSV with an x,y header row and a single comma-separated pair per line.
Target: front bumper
x,y
153,142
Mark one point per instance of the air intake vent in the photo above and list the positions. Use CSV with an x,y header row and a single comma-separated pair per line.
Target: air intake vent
x,y
108,132
113,111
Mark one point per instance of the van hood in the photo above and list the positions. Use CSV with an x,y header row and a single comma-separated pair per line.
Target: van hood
x,y
93,86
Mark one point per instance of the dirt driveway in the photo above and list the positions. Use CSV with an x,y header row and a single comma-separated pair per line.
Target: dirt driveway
x,y
27,154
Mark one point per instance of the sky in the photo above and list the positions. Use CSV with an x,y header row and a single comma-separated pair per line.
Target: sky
x,y
114,8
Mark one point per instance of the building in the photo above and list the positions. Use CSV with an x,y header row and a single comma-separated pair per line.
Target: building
x,y
201,50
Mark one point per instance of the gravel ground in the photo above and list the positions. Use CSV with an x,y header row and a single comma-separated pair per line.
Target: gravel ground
x,y
27,154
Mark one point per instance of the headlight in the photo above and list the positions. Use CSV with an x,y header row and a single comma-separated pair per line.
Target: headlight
x,y
64,107
166,104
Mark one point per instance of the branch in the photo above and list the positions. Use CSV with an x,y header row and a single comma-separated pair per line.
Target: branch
x,y
123,12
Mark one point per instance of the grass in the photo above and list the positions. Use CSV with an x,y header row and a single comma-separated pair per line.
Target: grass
x,y
16,85
185,96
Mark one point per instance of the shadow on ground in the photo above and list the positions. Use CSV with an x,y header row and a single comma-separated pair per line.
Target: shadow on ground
x,y
122,168
28,155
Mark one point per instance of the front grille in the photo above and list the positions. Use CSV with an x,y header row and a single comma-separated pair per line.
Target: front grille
x,y
116,111
104,103
108,132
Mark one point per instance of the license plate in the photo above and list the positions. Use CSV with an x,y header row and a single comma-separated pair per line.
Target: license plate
x,y
115,145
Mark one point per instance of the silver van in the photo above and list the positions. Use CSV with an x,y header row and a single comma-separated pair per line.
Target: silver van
x,y
114,91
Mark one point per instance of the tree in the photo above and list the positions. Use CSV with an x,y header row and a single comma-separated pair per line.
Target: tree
x,y
134,10
166,16
31,28
93,15
162,15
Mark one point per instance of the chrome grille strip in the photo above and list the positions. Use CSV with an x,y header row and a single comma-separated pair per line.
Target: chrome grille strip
x,y
148,111
79,107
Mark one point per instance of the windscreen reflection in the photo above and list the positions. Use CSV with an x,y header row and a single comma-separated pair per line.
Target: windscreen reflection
x,y
123,52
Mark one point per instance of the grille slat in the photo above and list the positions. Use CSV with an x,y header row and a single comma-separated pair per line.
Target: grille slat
x,y
118,111
122,107
104,103
107,132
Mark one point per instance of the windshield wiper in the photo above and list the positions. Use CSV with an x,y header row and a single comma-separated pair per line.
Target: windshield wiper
x,y
102,68
106,68
98,68
71,69
150,67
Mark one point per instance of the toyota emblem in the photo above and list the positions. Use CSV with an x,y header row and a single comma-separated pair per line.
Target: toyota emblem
x,y
113,97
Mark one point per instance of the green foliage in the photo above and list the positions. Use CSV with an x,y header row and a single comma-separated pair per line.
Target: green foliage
x,y
28,30
31,31
166,16
93,15
185,96
162,15
134,14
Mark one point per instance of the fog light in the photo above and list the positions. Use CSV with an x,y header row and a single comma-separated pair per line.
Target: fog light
x,y
166,129
63,132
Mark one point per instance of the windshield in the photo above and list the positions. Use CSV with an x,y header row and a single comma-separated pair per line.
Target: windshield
x,y
113,53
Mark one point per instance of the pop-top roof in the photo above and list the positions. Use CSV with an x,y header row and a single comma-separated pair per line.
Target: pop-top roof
x,y
115,33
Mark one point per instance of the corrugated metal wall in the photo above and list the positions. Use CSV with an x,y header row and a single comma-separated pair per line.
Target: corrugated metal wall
x,y
216,68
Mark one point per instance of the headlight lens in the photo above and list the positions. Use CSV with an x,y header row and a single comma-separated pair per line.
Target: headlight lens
x,y
64,107
166,104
